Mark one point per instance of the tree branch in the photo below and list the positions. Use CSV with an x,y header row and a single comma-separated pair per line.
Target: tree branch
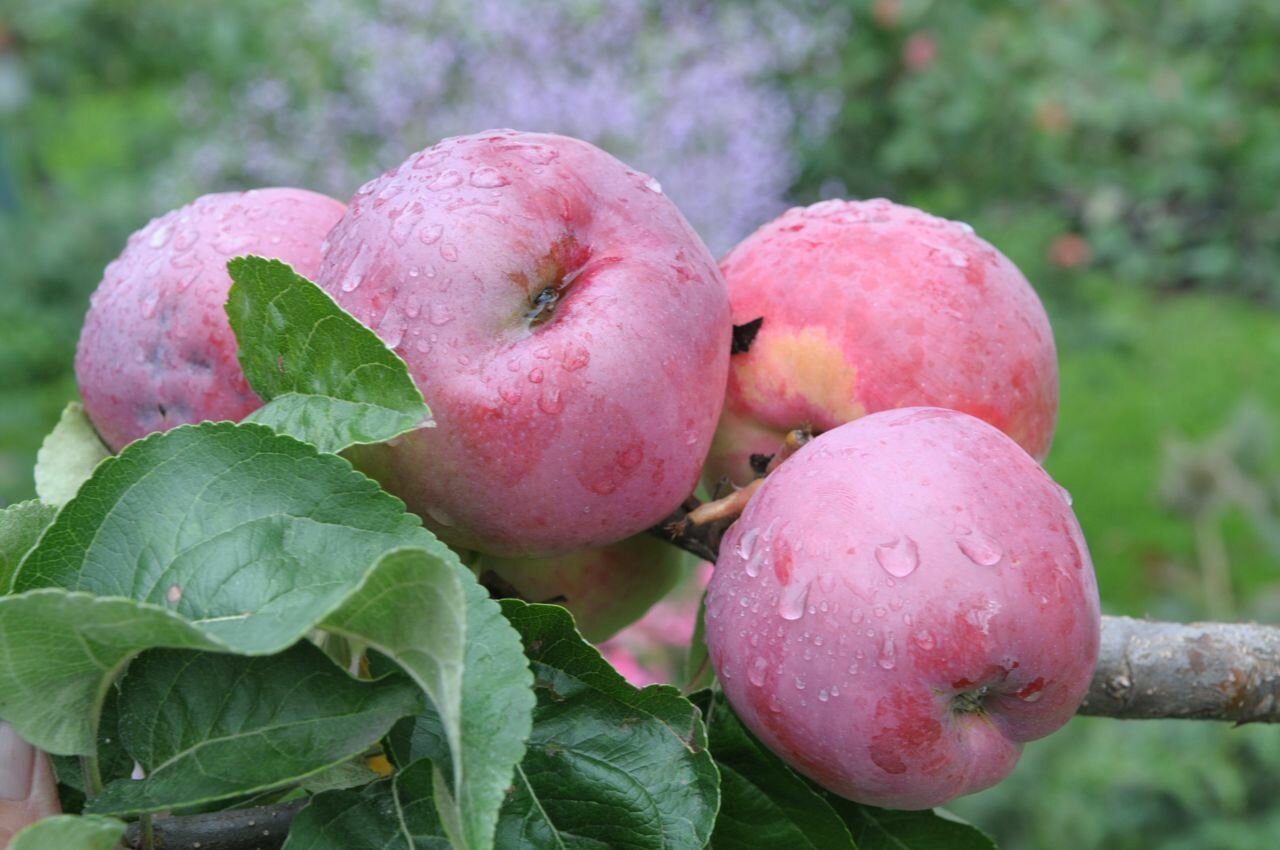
x,y
1201,671
259,828
1146,670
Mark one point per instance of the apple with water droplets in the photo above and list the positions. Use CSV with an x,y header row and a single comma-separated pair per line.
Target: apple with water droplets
x,y
606,588
869,306
566,325
902,604
156,349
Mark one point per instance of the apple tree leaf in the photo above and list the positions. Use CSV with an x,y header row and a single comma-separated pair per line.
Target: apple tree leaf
x,y
326,378
886,829
606,765
393,814
70,832
186,540
68,456
20,527
763,803
271,721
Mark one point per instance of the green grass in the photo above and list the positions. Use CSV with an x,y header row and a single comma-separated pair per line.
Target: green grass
x,y
1162,367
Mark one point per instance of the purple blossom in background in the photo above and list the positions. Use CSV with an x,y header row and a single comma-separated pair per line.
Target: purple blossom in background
x,y
686,91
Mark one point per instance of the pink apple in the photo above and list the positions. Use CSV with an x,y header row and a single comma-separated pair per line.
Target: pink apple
x,y
869,306
606,588
565,324
156,349
903,603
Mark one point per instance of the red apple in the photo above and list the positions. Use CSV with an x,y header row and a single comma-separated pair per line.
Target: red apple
x,y
606,588
156,349
565,324
870,306
902,604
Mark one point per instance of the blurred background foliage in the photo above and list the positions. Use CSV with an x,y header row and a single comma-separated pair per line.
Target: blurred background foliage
x,y
1126,156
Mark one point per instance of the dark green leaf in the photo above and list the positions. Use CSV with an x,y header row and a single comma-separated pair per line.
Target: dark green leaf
x,y
884,829
607,765
394,814
207,727
68,456
763,803
326,378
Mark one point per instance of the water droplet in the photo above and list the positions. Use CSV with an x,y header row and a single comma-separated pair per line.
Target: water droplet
x,y
799,684
924,639
440,315
886,660
653,185
746,543
755,673
487,177
449,252
447,179
402,224
980,549
440,517
550,403
160,236
817,639
1064,493
791,606
430,234
899,556
350,282
535,375
835,691
823,695
367,188
510,394
149,304
173,594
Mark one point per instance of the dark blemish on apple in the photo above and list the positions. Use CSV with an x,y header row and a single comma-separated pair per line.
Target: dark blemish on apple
x,y
744,335
760,464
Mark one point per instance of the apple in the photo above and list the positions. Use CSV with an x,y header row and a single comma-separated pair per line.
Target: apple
x,y
869,306
567,327
605,588
156,349
902,604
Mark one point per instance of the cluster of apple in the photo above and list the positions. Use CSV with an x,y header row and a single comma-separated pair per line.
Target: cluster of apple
x,y
904,600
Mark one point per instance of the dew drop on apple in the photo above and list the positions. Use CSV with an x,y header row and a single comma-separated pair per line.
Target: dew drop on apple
x,y
755,673
899,556
800,684
980,548
924,639
440,315
535,375
1064,493
160,236
653,185
430,234
447,179
791,605
746,543
487,177
824,695
149,305
449,252
887,660
550,402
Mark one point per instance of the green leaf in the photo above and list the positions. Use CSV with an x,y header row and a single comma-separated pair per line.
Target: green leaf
x,y
326,378
496,711
607,765
189,540
20,527
763,803
394,814
70,832
885,829
352,773
698,672
270,721
68,456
